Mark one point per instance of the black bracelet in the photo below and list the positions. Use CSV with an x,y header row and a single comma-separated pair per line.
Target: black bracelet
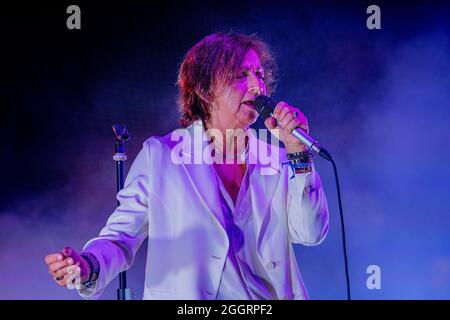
x,y
93,265
300,157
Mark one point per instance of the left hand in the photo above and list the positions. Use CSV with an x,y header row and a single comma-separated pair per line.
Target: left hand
x,y
285,121
65,266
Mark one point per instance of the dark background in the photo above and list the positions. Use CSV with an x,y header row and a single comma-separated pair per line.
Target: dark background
x,y
377,99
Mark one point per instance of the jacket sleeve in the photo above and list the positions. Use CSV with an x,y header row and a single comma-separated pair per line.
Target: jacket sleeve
x,y
126,228
308,218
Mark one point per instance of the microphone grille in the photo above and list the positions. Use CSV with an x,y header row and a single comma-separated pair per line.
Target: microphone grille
x,y
264,106
121,132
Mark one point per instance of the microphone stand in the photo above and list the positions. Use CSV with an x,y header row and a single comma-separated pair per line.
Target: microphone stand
x,y
123,293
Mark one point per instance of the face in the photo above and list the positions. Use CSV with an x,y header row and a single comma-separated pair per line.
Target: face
x,y
232,106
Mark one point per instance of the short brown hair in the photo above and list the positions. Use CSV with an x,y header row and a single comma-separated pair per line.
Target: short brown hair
x,y
215,60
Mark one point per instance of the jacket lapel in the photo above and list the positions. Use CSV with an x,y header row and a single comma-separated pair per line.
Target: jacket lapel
x,y
201,175
263,183
264,179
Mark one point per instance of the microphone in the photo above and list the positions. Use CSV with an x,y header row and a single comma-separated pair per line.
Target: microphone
x,y
121,132
265,107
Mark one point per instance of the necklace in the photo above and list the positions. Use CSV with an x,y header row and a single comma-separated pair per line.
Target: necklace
x,y
234,156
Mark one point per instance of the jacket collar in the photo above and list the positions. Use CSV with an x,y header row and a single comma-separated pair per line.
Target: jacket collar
x,y
196,144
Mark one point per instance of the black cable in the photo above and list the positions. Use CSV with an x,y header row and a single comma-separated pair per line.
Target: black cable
x,y
326,155
342,228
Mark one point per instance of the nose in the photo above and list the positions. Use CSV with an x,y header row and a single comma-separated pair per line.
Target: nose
x,y
256,85
256,91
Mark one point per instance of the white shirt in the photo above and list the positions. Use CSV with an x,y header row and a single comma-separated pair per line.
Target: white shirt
x,y
243,277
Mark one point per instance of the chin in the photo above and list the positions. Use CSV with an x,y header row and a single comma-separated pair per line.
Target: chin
x,y
251,119
253,116
248,117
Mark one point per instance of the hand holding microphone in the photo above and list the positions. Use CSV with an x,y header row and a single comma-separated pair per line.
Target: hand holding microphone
x,y
292,125
286,118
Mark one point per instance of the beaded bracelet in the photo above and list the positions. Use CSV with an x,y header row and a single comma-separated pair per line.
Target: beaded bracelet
x,y
300,162
301,157
94,266
298,168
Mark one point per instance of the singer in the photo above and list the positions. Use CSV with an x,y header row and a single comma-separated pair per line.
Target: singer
x,y
215,231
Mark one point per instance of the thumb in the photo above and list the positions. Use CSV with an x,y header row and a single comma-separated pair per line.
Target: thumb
x,y
67,252
270,123
70,252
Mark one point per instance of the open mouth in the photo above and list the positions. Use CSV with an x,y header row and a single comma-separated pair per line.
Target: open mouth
x,y
249,103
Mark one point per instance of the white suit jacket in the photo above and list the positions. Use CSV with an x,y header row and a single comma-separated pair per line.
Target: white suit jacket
x,y
177,207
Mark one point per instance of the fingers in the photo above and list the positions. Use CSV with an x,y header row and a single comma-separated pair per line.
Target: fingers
x,y
63,272
60,264
72,253
281,110
64,266
54,257
67,251
73,279
270,123
299,121
61,282
286,119
61,279
58,257
67,275
284,114
291,125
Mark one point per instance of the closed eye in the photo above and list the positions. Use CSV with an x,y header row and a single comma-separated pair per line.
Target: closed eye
x,y
246,73
260,75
